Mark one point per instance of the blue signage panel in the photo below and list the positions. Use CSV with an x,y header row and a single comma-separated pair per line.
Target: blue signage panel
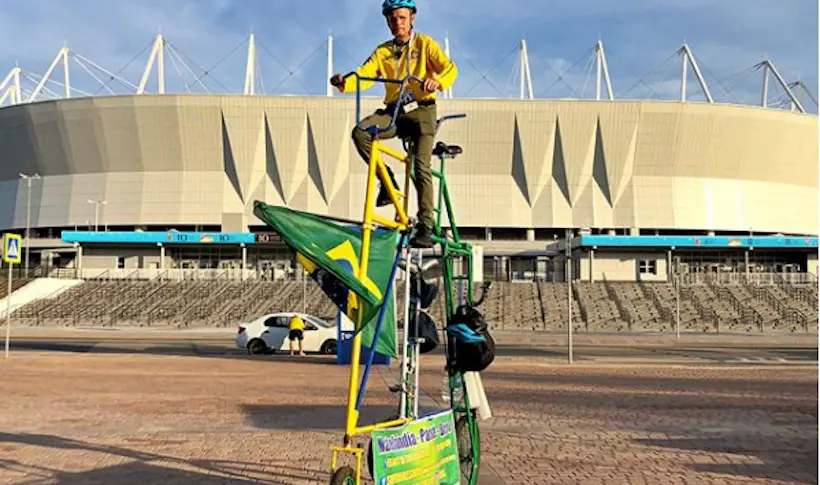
x,y
794,242
170,237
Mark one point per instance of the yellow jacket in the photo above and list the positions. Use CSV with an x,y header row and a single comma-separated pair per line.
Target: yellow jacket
x,y
426,58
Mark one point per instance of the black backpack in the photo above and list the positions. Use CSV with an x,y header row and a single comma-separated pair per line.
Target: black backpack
x,y
426,330
428,292
473,357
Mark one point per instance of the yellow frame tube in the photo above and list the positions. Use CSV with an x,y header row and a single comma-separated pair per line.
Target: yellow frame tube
x,y
388,223
386,424
375,168
382,148
356,451
364,257
394,193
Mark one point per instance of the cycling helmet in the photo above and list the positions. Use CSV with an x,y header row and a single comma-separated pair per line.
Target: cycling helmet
x,y
390,5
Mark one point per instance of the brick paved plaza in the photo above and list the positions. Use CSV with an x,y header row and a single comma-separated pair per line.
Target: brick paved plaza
x,y
75,418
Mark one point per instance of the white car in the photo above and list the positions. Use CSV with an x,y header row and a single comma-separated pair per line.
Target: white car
x,y
269,334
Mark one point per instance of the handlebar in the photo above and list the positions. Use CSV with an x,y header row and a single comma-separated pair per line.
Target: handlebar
x,y
403,99
448,117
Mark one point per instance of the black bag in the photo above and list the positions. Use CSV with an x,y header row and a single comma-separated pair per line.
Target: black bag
x,y
426,330
428,293
473,357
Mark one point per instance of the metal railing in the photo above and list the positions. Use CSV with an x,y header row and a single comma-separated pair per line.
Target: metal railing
x,y
724,279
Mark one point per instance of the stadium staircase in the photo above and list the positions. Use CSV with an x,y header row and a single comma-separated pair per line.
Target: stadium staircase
x,y
28,291
553,304
663,297
639,312
598,310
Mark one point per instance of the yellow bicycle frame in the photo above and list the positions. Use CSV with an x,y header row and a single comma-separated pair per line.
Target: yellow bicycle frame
x,y
376,168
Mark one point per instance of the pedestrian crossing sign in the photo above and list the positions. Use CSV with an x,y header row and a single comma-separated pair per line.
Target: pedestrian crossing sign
x,y
11,248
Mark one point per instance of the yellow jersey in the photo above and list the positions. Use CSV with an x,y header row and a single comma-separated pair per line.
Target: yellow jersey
x,y
421,56
296,323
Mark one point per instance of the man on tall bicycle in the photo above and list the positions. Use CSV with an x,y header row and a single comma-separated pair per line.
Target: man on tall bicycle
x,y
408,53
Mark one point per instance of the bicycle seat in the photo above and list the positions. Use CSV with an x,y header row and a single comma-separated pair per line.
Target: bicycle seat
x,y
443,148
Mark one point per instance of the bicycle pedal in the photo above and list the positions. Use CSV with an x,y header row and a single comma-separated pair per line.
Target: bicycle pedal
x,y
395,389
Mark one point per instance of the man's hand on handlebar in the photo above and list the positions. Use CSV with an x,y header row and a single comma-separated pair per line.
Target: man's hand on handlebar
x,y
338,80
430,84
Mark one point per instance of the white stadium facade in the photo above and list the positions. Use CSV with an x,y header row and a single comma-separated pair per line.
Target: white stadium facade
x,y
163,182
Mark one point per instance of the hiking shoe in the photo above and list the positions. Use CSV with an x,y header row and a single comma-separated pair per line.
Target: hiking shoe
x,y
383,198
423,237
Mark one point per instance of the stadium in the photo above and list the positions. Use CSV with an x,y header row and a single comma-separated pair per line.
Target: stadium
x,y
146,200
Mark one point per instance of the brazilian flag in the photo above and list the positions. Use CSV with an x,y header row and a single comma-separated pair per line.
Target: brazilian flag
x,y
329,251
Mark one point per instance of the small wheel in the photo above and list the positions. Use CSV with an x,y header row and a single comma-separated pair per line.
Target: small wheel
x,y
257,347
329,348
468,451
343,476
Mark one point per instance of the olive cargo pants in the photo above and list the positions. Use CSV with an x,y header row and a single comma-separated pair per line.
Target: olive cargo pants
x,y
420,126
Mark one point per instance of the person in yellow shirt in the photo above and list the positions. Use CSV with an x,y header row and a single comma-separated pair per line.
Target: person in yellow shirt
x,y
296,330
408,53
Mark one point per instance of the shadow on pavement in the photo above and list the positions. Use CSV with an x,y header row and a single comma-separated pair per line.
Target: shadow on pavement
x,y
151,468
646,401
312,417
786,459
603,380
174,349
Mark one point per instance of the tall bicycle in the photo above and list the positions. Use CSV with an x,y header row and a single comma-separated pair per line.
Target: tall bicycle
x,y
452,247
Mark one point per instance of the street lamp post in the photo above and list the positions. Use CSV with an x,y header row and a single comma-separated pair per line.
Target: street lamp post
x,y
97,211
568,273
28,179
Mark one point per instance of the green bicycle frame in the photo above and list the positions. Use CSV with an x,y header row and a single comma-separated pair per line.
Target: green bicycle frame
x,y
451,248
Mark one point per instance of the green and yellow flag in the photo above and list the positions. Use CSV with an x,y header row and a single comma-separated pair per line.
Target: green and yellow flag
x,y
329,251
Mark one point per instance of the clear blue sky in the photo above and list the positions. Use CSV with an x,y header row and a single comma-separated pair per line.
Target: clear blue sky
x,y
640,36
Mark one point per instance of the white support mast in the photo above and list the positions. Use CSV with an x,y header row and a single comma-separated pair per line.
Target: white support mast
x,y
448,93
66,75
764,98
161,64
330,73
602,72
250,67
769,66
802,86
62,55
156,54
526,78
18,91
11,90
688,57
684,59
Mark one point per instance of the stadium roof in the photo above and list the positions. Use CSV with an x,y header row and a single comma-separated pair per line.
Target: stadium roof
x,y
168,70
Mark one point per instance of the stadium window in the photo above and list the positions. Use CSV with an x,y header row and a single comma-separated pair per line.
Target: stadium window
x,y
648,266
